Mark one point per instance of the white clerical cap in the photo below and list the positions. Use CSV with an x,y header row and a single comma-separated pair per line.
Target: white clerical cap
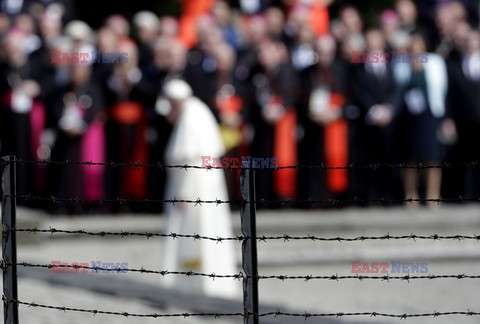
x,y
177,90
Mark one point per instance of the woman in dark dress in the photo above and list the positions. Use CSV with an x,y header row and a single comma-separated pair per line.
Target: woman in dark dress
x,y
422,145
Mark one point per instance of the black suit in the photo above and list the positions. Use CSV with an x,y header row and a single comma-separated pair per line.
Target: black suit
x,y
464,108
371,143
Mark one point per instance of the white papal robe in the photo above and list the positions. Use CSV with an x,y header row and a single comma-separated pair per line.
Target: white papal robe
x,y
196,134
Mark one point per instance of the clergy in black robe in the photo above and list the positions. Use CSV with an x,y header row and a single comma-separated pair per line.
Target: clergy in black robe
x,y
321,99
79,113
273,116
464,104
23,116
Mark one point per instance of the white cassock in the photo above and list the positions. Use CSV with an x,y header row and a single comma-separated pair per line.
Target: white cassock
x,y
196,134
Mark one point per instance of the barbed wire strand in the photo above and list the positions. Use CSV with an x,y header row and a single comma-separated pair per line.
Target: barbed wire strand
x,y
307,315
241,238
263,202
119,200
124,313
239,275
4,265
276,313
289,202
160,165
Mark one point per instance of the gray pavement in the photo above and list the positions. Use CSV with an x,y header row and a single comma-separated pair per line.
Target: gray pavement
x,y
134,292
45,293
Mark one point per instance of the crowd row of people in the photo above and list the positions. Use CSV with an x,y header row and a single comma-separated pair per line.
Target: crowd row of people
x,y
279,80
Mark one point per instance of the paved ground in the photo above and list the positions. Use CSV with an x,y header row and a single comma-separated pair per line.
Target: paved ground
x,y
40,292
291,258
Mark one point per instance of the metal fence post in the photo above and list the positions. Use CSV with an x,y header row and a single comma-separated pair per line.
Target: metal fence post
x,y
9,242
249,247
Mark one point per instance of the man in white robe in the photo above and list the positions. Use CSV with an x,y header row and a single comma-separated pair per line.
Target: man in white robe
x,y
196,134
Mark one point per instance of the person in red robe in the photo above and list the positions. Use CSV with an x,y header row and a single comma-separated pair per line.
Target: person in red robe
x,y
273,116
126,127
321,101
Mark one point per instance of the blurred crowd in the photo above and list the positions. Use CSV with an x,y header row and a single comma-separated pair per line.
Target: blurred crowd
x,y
278,77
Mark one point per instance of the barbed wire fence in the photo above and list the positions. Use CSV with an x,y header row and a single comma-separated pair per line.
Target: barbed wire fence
x,y
9,241
249,239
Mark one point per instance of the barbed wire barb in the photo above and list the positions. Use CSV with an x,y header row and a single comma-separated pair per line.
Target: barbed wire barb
x,y
240,238
160,166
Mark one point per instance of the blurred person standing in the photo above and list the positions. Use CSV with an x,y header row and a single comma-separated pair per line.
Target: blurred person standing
x,y
351,19
408,15
377,97
428,10
106,41
23,114
316,14
50,25
424,87
196,134
230,107
254,30
147,26
447,19
76,38
302,51
297,19
33,43
169,62
127,125
13,8
118,24
200,71
322,97
222,15
460,39
347,31
192,11
82,37
210,73
464,83
168,27
5,24
275,23
273,116
390,26
79,111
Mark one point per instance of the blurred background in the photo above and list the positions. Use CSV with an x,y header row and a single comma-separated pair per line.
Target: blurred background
x,y
276,74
